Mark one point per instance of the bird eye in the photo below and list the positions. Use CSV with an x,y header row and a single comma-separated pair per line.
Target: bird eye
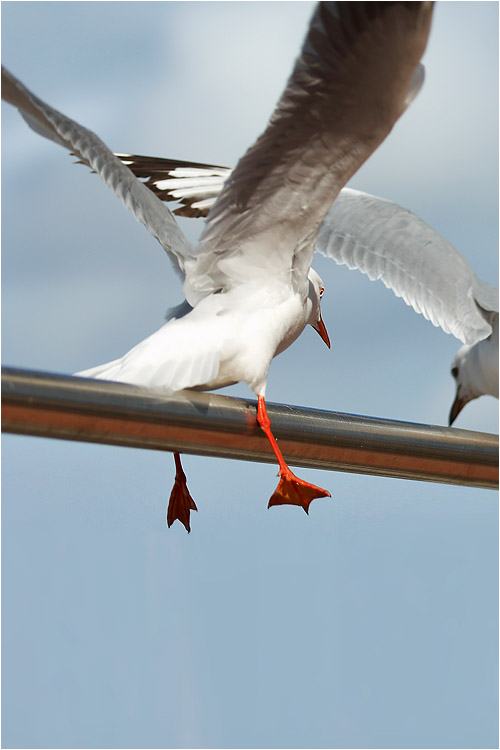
x,y
321,291
454,372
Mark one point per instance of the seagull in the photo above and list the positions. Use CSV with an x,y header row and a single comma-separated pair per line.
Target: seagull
x,y
475,367
385,242
249,287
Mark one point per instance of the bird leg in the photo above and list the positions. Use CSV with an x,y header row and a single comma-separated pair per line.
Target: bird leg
x,y
291,490
181,502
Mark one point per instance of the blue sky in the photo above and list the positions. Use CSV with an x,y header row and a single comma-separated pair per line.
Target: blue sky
x,y
372,623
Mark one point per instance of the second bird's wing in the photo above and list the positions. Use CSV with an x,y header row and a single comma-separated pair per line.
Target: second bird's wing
x,y
356,73
90,150
391,244
195,186
375,236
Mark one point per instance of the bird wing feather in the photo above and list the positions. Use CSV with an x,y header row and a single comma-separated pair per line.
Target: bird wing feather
x,y
90,150
391,244
195,186
357,72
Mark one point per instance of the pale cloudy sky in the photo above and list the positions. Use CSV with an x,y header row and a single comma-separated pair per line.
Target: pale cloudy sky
x,y
372,623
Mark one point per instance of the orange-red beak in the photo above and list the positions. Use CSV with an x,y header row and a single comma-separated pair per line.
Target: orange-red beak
x,y
321,329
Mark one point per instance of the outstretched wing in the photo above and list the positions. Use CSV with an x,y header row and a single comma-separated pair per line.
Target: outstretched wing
x,y
357,72
390,244
367,234
194,186
90,150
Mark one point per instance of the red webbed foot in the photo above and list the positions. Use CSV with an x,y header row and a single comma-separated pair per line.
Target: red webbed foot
x,y
291,490
294,491
181,503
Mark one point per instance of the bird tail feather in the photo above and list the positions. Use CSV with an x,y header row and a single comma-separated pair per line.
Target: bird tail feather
x,y
103,372
179,355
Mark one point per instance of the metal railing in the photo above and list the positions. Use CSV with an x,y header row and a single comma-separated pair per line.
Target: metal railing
x,y
71,408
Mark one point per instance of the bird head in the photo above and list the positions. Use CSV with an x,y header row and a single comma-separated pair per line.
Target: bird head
x,y
316,291
462,372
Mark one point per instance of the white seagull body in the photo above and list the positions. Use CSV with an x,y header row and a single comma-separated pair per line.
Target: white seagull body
x,y
225,339
385,242
475,369
249,287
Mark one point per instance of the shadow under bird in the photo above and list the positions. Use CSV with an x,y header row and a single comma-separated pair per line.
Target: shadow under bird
x,y
249,287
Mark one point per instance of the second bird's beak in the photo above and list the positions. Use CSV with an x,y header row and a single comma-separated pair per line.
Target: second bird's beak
x,y
321,329
456,408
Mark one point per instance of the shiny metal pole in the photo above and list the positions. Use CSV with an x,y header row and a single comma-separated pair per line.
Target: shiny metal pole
x,y
71,408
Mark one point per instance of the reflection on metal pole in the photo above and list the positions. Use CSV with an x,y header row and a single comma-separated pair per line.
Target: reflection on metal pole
x,y
70,408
